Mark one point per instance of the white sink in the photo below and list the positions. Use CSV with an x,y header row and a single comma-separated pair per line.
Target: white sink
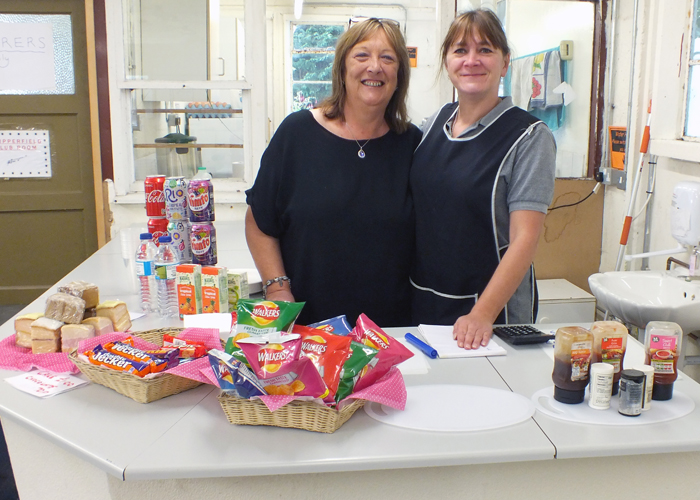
x,y
638,297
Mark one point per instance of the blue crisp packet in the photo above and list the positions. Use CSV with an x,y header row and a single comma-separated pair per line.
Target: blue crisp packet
x,y
233,375
337,326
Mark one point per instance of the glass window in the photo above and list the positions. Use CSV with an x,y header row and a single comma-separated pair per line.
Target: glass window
x,y
313,47
184,94
692,116
36,54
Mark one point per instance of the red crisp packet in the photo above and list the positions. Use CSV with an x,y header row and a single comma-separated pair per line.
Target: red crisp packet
x,y
391,351
327,351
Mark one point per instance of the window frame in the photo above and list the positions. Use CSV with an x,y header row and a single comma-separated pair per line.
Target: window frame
x,y
668,82
253,89
690,63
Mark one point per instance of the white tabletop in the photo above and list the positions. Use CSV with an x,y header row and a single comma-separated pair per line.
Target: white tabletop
x,y
188,436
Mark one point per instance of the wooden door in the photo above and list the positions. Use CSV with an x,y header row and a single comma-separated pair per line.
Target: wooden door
x,y
48,225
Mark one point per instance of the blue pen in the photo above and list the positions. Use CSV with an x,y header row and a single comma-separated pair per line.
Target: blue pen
x,y
425,348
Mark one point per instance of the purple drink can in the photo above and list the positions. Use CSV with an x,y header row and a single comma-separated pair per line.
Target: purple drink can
x,y
200,198
179,231
175,191
203,242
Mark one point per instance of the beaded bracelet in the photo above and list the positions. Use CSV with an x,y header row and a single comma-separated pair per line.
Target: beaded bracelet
x,y
279,280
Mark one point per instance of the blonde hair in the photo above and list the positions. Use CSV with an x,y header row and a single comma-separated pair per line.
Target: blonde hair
x,y
396,113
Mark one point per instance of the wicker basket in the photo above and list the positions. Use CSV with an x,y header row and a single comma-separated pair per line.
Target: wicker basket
x,y
139,389
297,414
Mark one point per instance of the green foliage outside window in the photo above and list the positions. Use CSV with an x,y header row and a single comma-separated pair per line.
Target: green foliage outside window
x,y
312,61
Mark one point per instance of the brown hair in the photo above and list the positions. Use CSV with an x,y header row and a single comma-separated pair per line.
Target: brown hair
x,y
396,114
481,22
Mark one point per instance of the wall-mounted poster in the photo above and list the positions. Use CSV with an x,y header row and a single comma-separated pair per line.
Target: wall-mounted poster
x,y
618,140
26,56
25,153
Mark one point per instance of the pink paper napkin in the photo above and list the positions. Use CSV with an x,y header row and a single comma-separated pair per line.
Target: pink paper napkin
x,y
208,372
193,370
13,357
390,390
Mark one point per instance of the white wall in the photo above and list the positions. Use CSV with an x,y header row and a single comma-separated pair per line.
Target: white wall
x,y
659,74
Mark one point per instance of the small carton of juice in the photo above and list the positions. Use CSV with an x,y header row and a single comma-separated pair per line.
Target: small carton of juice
x,y
214,290
237,288
188,282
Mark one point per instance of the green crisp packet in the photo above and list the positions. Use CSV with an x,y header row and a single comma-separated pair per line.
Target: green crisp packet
x,y
362,356
257,317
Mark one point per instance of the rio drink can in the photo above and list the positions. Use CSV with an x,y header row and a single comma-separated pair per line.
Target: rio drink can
x,y
203,241
200,198
155,199
179,231
158,226
175,192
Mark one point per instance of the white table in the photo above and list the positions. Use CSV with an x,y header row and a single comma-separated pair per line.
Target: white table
x,y
93,443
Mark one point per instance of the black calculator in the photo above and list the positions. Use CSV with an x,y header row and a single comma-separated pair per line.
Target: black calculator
x,y
521,334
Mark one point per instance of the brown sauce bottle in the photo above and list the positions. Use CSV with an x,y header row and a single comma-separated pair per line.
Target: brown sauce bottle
x,y
572,360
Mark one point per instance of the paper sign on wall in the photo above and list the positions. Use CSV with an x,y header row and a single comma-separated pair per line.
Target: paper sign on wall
x,y
26,57
25,153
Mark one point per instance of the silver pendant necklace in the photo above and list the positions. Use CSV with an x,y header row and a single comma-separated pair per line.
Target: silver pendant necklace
x,y
361,152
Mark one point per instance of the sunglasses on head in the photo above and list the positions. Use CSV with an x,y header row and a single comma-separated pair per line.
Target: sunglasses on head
x,y
380,20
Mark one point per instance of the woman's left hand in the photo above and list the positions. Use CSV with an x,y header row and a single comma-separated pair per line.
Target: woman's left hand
x,y
472,331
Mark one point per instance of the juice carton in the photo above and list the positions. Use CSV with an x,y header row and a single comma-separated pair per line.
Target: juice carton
x,y
237,288
188,282
214,290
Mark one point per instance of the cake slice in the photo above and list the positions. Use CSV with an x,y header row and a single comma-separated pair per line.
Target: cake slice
x,y
46,335
72,334
84,290
23,329
116,311
101,324
65,307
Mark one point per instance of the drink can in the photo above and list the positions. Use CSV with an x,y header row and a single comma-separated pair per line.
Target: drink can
x,y
179,231
155,199
175,192
203,240
158,226
200,199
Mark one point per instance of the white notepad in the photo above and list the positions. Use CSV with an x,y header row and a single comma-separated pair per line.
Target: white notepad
x,y
440,337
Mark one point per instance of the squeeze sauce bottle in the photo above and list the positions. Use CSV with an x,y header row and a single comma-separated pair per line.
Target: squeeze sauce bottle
x,y
572,358
662,345
609,346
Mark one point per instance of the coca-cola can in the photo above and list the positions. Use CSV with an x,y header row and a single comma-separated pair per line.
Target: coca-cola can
x,y
179,231
155,199
158,226
200,198
203,241
175,191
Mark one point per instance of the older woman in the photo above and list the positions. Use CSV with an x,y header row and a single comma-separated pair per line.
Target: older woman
x,y
330,219
482,179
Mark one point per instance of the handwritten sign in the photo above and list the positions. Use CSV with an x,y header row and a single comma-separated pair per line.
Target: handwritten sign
x,y
25,153
26,57
45,384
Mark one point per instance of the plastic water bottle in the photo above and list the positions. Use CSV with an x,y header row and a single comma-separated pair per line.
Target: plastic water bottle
x,y
145,272
166,261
